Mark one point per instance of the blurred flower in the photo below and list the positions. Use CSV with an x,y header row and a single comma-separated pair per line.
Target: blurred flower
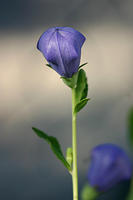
x,y
109,166
61,46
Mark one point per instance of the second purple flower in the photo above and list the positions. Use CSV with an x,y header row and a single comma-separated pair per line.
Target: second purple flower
x,y
109,165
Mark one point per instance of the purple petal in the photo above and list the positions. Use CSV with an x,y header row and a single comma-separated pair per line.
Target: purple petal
x,y
61,46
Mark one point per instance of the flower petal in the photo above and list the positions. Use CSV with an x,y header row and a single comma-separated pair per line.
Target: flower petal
x,y
61,46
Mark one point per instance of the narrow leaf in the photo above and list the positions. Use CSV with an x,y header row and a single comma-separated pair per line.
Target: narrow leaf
x,y
81,104
55,146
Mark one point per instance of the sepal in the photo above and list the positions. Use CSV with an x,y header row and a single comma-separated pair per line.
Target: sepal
x,y
70,82
89,193
83,65
48,65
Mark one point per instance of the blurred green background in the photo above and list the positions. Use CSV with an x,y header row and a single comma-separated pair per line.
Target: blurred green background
x,y
34,95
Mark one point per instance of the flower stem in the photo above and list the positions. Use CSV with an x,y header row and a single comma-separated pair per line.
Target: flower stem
x,y
130,195
74,147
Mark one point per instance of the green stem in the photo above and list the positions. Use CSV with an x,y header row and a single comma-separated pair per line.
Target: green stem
x,y
130,195
74,147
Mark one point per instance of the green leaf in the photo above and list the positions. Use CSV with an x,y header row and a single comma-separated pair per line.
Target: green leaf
x,y
83,65
70,82
89,193
85,91
55,146
130,126
82,86
81,104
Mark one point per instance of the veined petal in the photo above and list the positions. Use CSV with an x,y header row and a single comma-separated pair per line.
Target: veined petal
x,y
44,40
61,46
70,55
75,34
53,55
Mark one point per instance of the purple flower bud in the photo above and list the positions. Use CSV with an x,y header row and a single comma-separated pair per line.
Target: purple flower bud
x,y
61,46
109,166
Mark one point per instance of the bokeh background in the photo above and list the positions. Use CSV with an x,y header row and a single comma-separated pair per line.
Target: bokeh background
x,y
34,95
